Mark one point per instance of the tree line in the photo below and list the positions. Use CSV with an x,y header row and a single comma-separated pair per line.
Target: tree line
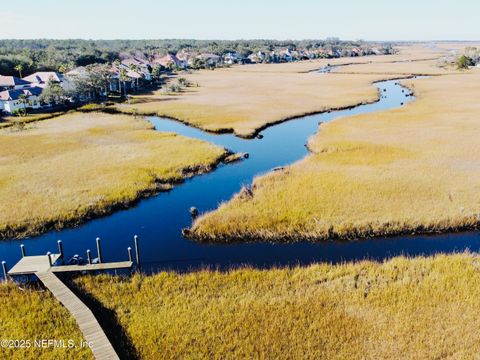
x,y
23,57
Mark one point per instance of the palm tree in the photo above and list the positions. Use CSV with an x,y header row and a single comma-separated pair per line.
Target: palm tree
x,y
19,68
135,68
123,77
116,63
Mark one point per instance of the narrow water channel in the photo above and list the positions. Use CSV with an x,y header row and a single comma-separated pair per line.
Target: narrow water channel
x,y
158,220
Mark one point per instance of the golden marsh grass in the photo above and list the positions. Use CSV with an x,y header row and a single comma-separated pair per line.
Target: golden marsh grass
x,y
244,99
60,171
421,308
414,168
36,315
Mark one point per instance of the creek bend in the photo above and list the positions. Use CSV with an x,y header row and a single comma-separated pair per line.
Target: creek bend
x,y
158,220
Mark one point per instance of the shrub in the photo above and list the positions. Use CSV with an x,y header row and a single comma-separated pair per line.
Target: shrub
x,y
464,62
183,82
91,107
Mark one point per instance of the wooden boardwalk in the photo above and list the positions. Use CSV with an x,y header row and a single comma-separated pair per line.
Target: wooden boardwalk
x,y
88,324
41,266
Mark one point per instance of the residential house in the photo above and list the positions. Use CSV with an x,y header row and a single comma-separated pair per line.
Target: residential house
x,y
10,100
231,58
333,53
140,66
184,57
42,78
114,85
13,83
257,57
209,59
69,82
169,61
118,85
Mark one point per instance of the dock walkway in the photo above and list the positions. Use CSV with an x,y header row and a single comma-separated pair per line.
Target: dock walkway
x,y
88,324
42,266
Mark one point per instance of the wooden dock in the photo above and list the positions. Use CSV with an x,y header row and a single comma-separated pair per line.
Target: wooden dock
x,y
44,268
88,324
29,265
93,267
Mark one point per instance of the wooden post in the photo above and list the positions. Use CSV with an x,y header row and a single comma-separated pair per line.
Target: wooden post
x,y
22,249
5,273
129,249
89,256
99,250
137,253
60,248
49,258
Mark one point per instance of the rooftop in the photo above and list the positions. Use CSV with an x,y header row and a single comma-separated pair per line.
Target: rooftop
x,y
44,77
12,81
9,95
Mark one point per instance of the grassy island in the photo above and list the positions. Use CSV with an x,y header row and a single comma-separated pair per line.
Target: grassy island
x,y
61,171
411,169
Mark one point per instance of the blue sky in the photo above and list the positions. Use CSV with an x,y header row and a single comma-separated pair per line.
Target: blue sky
x,y
242,19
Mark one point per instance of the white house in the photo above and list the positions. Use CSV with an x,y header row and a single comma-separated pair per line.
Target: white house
x,y
10,100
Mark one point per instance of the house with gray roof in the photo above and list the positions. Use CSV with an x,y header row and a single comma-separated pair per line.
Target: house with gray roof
x,y
11,100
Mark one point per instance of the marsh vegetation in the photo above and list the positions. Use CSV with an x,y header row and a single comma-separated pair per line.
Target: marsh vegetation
x,y
420,308
412,169
64,170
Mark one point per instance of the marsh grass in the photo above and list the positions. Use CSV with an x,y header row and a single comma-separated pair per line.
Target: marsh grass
x,y
244,99
421,308
35,314
418,308
15,121
412,169
64,170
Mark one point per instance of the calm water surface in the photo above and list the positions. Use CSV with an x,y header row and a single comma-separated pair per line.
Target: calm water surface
x,y
158,220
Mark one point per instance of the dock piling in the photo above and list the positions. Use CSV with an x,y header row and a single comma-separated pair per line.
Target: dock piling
x,y
49,258
60,248
137,253
22,249
129,250
89,256
5,273
99,250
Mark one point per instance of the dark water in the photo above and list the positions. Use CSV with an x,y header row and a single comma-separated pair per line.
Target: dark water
x,y
158,220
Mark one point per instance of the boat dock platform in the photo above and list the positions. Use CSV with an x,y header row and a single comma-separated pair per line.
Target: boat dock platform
x,y
45,269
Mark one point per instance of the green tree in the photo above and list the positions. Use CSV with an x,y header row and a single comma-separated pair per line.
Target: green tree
x,y
53,94
464,62
136,69
66,67
19,68
24,101
99,76
156,71
123,77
